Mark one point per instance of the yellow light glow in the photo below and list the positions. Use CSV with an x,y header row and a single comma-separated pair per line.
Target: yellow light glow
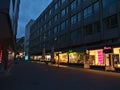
x,y
118,65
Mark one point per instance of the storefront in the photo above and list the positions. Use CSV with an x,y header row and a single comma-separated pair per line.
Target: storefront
x,y
96,57
60,57
76,57
69,57
108,57
116,57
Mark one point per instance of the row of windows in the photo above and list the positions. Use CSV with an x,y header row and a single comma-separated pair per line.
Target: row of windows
x,y
90,10
87,11
108,23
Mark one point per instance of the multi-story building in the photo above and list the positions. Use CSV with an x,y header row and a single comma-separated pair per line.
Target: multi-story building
x,y
27,35
79,31
9,10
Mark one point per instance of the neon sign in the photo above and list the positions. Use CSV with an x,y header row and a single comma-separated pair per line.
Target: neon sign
x,y
100,57
107,50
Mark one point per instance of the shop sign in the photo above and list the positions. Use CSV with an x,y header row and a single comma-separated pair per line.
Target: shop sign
x,y
107,50
70,51
100,57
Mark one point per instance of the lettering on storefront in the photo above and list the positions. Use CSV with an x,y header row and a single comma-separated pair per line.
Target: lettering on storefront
x,y
107,50
100,57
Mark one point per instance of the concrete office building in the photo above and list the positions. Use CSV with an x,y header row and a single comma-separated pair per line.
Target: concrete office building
x,y
27,36
9,10
79,31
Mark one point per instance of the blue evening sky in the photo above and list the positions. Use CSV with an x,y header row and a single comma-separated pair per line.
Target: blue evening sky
x,y
30,9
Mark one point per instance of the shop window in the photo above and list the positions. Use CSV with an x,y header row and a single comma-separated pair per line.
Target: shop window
x,y
91,59
116,58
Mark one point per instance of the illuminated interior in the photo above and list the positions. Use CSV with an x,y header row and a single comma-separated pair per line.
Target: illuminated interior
x,y
96,57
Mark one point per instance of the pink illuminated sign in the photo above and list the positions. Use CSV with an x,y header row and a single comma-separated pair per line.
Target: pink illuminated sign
x,y
100,57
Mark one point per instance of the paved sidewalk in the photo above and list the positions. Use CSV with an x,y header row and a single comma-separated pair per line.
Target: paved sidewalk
x,y
81,68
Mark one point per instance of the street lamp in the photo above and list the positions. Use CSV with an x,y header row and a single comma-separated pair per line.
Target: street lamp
x,y
57,52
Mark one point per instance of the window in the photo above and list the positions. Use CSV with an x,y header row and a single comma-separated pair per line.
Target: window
x,y
50,12
63,13
56,18
74,36
55,30
85,0
97,26
78,2
62,25
79,16
73,19
56,6
89,29
107,3
73,5
111,22
114,21
66,23
96,7
87,11
62,1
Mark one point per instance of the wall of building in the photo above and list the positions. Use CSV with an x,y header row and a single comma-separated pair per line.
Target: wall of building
x,y
78,25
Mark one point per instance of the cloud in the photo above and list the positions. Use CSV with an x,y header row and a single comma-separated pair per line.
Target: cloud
x,y
30,10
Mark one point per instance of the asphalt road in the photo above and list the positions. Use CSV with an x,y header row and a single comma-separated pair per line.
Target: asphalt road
x,y
36,76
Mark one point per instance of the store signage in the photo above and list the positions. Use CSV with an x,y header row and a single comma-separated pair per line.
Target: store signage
x,y
26,58
107,50
100,57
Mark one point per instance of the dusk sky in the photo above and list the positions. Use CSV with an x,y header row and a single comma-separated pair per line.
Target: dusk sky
x,y
30,9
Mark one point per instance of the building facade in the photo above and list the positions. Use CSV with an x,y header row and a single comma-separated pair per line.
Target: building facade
x,y
9,10
27,36
79,31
